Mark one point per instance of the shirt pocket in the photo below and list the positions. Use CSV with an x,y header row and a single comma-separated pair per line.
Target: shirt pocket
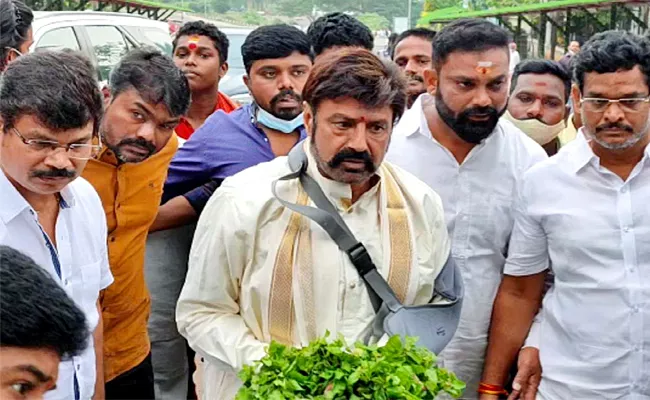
x,y
90,286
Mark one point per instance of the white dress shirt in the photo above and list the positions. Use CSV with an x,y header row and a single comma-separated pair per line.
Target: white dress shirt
x,y
79,263
477,198
594,229
223,306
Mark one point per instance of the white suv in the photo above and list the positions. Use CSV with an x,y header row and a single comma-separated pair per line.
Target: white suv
x,y
104,37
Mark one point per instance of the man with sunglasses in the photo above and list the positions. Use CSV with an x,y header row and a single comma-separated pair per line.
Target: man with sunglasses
x,y
50,110
585,212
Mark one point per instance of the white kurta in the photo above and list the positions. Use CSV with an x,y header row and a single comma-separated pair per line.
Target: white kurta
x,y
477,198
594,228
223,308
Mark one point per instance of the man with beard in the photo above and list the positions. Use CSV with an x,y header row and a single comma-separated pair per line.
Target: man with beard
x,y
454,141
413,53
585,213
50,110
538,101
248,246
278,60
148,96
201,52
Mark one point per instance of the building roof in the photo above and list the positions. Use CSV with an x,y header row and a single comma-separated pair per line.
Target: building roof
x,y
452,13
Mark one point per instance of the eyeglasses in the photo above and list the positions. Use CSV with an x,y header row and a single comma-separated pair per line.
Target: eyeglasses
x,y
78,151
631,105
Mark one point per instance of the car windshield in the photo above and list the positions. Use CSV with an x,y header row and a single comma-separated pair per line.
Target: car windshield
x,y
234,50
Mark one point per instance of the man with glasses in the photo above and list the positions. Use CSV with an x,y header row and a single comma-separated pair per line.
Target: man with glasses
x,y
148,96
50,110
585,212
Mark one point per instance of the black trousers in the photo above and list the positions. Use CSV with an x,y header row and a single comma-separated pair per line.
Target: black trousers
x,y
135,384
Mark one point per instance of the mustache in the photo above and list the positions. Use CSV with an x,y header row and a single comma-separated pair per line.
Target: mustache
x,y
140,142
414,77
349,154
480,111
614,125
285,94
54,173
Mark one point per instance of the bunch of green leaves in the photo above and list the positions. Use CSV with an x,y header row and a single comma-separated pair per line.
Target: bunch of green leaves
x,y
327,370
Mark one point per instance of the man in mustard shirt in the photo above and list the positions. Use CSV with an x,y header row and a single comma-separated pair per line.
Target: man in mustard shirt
x,y
149,94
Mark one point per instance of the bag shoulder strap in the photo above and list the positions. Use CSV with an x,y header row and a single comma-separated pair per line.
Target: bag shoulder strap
x,y
328,218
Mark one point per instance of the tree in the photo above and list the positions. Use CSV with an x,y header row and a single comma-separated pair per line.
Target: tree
x,y
374,21
294,8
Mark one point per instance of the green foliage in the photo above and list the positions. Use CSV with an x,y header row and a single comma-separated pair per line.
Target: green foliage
x,y
374,21
294,8
253,18
333,371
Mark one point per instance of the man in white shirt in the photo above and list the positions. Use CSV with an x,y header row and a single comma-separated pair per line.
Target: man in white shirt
x,y
50,109
247,246
456,144
515,58
585,213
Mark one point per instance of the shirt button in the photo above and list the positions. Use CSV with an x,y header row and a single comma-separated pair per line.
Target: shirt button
x,y
353,285
624,189
626,229
78,367
65,282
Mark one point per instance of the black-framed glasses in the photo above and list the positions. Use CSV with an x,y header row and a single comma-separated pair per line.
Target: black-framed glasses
x,y
629,105
78,151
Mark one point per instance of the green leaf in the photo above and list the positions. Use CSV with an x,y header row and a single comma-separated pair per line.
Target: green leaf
x,y
330,370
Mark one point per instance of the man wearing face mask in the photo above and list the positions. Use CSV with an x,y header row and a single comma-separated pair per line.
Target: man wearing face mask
x,y
453,140
277,59
538,97
15,31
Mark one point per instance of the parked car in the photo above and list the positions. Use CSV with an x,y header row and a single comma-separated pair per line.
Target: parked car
x,y
104,37
233,83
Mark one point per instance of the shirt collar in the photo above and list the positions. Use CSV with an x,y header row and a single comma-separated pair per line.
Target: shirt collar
x,y
411,121
583,154
107,156
13,203
339,193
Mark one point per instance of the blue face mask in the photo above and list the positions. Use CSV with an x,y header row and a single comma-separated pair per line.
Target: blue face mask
x,y
271,121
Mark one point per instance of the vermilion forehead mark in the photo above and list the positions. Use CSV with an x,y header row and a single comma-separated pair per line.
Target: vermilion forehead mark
x,y
193,42
484,67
